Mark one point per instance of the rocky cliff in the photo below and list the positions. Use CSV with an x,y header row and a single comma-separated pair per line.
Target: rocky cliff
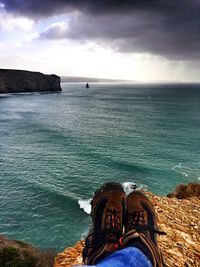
x,y
178,217
21,81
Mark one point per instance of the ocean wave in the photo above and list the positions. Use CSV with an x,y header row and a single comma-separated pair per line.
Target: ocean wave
x,y
84,233
131,186
128,188
180,169
85,205
188,170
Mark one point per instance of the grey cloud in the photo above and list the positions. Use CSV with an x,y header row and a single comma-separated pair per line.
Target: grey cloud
x,y
37,8
55,31
170,28
169,35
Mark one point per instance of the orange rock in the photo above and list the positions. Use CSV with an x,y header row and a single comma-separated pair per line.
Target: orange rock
x,y
185,191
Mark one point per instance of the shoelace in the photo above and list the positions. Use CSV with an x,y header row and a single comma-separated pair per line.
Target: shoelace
x,y
136,221
111,234
113,217
136,218
141,228
101,237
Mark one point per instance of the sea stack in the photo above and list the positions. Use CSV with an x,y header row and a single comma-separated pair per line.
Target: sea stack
x,y
22,81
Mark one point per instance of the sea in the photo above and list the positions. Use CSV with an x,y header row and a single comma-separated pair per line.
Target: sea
x,y
56,149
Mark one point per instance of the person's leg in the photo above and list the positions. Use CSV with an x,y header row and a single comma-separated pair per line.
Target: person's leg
x,y
141,227
128,257
108,215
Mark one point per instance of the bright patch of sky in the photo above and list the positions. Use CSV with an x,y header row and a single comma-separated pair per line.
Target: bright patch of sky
x,y
21,48
2,5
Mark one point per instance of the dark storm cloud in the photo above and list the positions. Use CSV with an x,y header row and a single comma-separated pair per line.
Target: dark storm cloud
x,y
42,8
168,28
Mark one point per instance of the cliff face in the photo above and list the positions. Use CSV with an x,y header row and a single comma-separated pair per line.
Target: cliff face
x,y
179,218
20,81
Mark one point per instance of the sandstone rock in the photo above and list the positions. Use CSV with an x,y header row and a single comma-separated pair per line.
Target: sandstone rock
x,y
186,191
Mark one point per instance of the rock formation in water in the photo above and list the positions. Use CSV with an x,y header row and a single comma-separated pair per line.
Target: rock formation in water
x,y
21,81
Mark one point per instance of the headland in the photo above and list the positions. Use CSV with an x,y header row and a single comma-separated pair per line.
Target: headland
x,y
23,81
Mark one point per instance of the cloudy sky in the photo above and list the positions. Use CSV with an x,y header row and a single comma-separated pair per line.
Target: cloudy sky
x,y
141,40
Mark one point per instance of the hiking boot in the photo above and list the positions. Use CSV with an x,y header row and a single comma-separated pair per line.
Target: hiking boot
x,y
108,216
141,227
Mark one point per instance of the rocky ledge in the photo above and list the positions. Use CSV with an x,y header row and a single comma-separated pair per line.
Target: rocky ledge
x,y
178,217
21,81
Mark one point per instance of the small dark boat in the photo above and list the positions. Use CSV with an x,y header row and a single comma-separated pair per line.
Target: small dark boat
x,y
87,85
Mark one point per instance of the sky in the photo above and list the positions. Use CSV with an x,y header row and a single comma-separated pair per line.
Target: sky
x,y
139,40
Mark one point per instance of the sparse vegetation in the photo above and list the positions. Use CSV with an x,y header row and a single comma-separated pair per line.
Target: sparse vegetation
x,y
21,243
11,257
15,253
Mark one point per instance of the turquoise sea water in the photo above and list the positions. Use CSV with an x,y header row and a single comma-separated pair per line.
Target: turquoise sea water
x,y
56,149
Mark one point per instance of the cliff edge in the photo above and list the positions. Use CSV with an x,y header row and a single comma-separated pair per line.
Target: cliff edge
x,y
178,217
22,81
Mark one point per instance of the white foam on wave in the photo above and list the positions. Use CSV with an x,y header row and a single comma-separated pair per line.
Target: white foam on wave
x,y
191,170
85,205
131,186
181,169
